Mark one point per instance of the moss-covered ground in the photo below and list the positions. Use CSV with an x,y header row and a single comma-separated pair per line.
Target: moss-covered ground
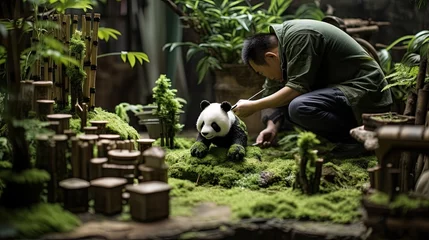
x,y
262,185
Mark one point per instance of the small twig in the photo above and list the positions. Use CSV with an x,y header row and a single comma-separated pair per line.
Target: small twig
x,y
198,178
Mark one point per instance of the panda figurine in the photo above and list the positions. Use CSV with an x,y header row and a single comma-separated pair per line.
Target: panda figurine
x,y
217,124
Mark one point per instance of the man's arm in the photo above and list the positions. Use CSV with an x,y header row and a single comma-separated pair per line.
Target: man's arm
x,y
278,99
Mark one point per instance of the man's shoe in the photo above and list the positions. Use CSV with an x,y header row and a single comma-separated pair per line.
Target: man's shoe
x,y
349,150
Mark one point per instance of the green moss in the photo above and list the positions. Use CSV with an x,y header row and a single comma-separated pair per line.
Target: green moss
x,y
340,206
5,165
402,202
39,219
115,126
243,126
28,176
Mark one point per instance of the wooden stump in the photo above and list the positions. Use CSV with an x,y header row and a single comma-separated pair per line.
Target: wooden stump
x,y
108,194
149,201
100,124
63,119
44,108
75,193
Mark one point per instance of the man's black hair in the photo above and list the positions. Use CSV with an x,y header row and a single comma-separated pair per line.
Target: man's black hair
x,y
255,47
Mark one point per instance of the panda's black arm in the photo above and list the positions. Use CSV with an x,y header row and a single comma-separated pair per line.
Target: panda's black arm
x,y
238,135
200,138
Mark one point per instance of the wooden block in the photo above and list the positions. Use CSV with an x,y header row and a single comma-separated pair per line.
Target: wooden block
x,y
116,170
75,192
154,157
125,157
89,130
96,168
149,201
110,136
100,124
64,120
108,194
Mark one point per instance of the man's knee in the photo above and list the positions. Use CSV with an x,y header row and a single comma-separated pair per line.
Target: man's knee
x,y
299,109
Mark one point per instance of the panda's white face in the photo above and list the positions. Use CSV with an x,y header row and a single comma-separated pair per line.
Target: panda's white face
x,y
214,121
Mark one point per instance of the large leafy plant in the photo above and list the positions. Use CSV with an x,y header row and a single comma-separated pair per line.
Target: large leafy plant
x,y
223,25
402,76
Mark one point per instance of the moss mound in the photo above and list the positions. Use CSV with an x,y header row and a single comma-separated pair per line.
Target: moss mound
x,y
39,219
29,176
339,206
115,126
262,185
402,202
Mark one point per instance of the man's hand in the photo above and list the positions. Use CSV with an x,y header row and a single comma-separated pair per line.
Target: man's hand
x,y
267,136
245,108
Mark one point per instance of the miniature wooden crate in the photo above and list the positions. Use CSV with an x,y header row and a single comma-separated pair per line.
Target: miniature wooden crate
x,y
154,157
108,194
75,192
154,174
149,201
96,168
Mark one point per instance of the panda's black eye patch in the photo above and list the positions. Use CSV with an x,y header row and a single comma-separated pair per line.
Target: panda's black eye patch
x,y
215,127
202,125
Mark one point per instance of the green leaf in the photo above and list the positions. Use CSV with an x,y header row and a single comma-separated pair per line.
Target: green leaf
x,y
124,56
191,52
385,60
399,40
411,59
54,43
177,44
132,60
416,42
105,33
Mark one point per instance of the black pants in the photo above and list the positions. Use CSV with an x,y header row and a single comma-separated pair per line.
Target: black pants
x,y
325,112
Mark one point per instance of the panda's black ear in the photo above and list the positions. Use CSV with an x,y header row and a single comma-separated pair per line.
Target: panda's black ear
x,y
204,104
226,106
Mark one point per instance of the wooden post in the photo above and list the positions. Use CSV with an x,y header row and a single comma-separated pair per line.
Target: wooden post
x,y
317,175
377,170
42,91
60,160
371,174
96,167
87,60
26,97
75,158
422,104
53,182
100,124
84,160
93,59
44,108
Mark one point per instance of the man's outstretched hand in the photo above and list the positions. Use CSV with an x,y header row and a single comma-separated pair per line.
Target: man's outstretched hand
x,y
245,108
267,137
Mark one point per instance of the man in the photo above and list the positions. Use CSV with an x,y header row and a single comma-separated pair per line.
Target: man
x,y
318,78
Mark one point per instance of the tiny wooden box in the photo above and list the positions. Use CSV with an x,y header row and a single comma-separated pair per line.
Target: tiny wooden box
x,y
75,193
149,201
154,157
108,194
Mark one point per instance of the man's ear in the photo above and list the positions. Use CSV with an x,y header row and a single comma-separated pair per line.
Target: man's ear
x,y
270,56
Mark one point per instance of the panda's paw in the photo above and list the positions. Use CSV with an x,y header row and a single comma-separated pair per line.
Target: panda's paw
x,y
199,149
236,152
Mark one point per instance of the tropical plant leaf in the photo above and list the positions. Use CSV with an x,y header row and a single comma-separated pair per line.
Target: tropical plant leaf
x,y
415,44
132,56
385,60
178,44
411,59
402,39
62,5
107,33
192,51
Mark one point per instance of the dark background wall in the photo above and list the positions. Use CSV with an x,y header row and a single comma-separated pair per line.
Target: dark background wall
x,y
117,82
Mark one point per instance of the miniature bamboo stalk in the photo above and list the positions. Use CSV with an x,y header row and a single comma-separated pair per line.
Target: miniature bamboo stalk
x,y
94,50
74,23
84,160
87,60
66,80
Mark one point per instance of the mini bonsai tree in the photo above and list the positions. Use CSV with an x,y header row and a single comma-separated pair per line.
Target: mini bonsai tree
x,y
168,108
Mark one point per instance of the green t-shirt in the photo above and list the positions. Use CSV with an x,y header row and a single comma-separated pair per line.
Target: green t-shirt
x,y
315,55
